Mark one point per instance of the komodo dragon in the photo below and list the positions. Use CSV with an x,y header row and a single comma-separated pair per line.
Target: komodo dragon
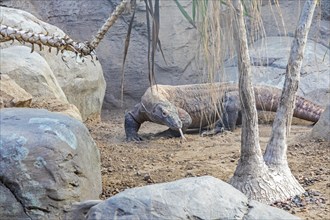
x,y
199,105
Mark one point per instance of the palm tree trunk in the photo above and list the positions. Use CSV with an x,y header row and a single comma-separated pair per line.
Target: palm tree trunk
x,y
276,149
251,169
269,179
275,155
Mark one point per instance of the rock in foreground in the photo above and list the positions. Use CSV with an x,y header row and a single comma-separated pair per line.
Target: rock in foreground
x,y
47,162
192,198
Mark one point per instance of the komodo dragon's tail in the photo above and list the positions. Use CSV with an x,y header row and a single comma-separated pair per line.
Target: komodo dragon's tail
x,y
267,99
307,110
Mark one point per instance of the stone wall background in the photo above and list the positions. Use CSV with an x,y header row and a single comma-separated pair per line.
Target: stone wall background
x,y
81,19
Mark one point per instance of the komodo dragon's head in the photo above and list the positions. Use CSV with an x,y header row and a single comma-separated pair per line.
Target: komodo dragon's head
x,y
164,113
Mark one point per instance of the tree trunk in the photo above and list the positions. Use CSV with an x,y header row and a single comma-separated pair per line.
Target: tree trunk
x,y
251,170
276,149
275,154
270,181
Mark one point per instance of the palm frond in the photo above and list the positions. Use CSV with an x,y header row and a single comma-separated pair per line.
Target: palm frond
x,y
185,14
194,7
154,41
153,37
161,50
127,41
148,11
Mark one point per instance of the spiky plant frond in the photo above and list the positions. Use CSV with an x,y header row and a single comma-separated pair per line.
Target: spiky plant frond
x,y
127,41
60,43
108,23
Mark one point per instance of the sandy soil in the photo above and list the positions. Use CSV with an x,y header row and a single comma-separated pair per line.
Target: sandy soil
x,y
156,160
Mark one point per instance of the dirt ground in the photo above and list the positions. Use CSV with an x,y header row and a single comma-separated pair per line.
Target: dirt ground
x,y
157,160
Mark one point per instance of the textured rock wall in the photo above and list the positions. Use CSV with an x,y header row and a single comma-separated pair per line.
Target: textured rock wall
x,y
269,58
81,19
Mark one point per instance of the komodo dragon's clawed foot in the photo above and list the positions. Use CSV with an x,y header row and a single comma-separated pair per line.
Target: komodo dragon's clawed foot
x,y
213,132
131,128
134,138
169,133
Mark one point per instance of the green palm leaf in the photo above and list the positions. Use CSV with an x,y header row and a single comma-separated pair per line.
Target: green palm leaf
x,y
185,14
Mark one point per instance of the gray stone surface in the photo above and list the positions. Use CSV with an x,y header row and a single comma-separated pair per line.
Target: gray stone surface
x,y
82,81
321,129
82,20
11,94
325,9
282,21
179,40
269,58
261,211
47,162
191,198
31,72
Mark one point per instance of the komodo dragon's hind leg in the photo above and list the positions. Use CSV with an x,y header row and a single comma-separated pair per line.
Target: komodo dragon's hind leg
x,y
228,122
231,116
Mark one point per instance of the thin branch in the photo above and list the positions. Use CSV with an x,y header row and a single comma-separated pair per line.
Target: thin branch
x,y
107,25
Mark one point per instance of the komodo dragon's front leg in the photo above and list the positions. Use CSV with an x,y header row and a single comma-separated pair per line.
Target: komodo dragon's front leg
x,y
133,121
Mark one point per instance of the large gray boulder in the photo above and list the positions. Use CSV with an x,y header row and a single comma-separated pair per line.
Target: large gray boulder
x,y
321,130
47,162
31,72
81,80
12,95
191,198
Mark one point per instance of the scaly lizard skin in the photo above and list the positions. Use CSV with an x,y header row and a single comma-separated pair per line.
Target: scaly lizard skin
x,y
199,105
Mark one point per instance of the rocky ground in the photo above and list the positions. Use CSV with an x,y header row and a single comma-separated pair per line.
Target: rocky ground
x,y
156,160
